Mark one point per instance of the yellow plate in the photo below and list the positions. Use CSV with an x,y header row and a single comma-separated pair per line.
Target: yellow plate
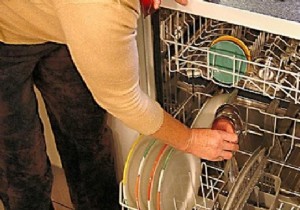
x,y
237,41
128,159
131,167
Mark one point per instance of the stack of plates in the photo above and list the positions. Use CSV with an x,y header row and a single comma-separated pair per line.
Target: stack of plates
x,y
131,168
158,177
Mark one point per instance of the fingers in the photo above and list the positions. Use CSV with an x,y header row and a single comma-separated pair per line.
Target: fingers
x,y
230,137
228,146
224,152
224,155
182,2
214,145
156,4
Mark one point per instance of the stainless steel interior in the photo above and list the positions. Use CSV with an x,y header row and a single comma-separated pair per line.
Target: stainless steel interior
x,y
266,92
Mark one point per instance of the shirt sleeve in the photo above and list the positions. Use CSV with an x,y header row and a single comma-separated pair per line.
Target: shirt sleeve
x,y
102,41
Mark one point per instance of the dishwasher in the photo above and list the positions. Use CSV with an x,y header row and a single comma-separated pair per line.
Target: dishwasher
x,y
231,59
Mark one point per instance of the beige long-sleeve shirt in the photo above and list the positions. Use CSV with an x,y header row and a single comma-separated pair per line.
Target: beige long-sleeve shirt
x,y
100,35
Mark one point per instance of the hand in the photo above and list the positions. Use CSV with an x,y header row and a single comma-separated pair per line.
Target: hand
x,y
157,3
214,145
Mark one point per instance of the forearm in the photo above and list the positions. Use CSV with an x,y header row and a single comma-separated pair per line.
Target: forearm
x,y
173,132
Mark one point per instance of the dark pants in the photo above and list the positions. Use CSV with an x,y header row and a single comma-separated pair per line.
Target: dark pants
x,y
78,124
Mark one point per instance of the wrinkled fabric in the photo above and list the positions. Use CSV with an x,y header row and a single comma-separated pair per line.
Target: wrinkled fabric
x,y
78,123
103,47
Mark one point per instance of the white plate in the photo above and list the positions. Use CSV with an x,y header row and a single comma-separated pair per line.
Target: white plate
x,y
179,181
206,114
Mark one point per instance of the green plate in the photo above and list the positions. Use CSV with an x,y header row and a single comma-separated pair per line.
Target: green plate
x,y
224,67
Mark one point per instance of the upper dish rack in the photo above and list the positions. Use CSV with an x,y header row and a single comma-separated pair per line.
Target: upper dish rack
x,y
272,67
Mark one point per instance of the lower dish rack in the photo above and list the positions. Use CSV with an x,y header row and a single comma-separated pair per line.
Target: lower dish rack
x,y
277,185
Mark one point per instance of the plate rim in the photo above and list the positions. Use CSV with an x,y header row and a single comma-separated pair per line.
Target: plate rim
x,y
155,144
236,41
154,176
171,154
129,200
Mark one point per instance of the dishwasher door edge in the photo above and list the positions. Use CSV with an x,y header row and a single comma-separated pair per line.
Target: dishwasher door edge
x,y
238,16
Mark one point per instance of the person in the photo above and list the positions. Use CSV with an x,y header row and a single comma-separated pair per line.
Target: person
x,y
79,54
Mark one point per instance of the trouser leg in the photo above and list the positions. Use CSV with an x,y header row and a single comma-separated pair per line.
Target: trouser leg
x,y
78,124
25,172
